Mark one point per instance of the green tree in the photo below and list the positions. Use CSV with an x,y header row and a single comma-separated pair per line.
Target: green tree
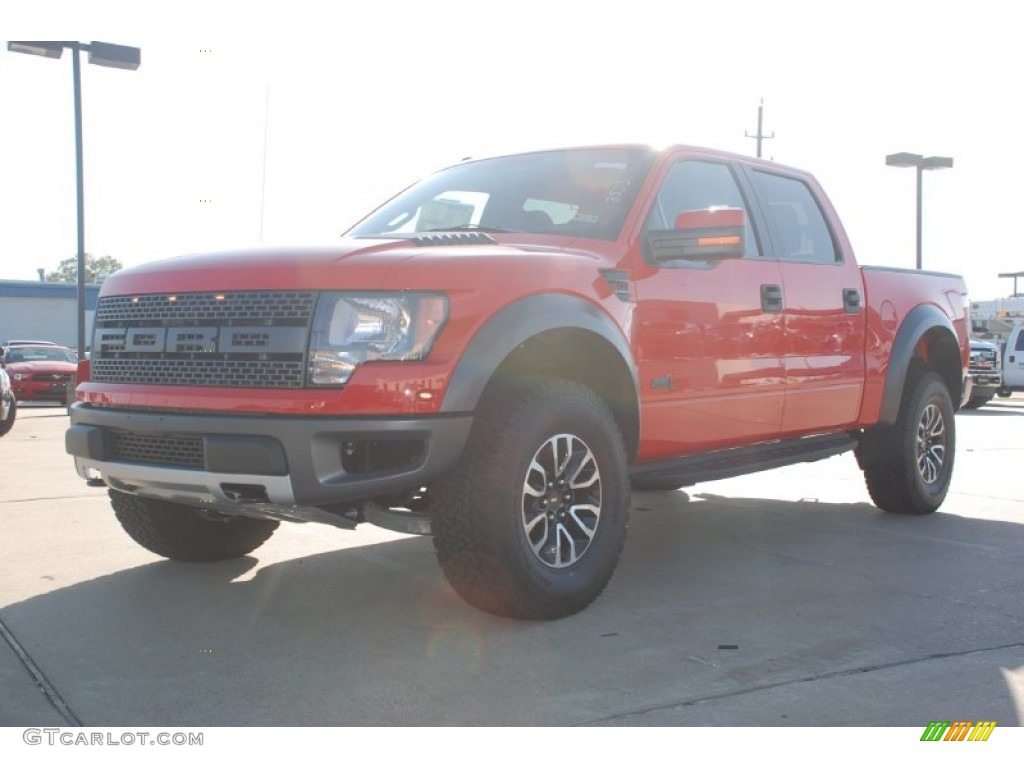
x,y
97,268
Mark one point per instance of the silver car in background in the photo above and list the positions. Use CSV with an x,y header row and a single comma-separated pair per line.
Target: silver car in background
x,y
8,406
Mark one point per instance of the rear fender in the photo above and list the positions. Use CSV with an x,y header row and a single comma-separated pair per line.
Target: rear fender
x,y
925,334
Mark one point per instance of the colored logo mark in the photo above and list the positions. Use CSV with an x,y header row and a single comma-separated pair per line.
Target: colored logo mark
x,y
958,730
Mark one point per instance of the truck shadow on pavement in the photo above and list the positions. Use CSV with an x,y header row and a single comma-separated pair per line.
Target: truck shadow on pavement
x,y
723,611
992,409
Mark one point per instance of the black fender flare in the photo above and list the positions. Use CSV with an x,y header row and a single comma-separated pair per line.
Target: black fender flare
x,y
516,324
918,322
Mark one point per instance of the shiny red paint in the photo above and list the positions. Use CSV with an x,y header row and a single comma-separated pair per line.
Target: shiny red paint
x,y
715,368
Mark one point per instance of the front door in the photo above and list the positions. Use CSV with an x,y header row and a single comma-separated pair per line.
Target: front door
x,y
708,334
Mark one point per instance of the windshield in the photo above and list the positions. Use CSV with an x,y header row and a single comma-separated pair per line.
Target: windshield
x,y
577,193
35,354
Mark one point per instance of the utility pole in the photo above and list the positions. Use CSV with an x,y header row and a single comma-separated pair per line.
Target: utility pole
x,y
760,133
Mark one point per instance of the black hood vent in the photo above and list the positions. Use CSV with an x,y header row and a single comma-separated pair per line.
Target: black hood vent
x,y
453,238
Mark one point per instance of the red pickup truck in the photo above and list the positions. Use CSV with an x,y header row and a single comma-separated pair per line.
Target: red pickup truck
x,y
498,354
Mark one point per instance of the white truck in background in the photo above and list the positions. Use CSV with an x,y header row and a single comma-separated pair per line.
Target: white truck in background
x,y
1013,362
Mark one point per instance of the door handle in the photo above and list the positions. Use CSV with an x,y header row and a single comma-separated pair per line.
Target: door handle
x,y
771,298
851,300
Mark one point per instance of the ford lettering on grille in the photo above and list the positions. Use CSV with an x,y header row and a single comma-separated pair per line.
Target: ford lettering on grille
x,y
208,339
245,339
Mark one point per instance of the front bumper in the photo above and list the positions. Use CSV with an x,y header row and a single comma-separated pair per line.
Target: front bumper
x,y
987,379
41,390
291,465
985,384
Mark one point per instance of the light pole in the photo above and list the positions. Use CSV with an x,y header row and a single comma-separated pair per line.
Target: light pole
x,y
104,55
922,164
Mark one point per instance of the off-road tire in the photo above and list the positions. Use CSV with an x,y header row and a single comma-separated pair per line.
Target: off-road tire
x,y
908,465
503,521
6,424
186,533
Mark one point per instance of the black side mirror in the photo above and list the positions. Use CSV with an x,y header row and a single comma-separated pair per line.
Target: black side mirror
x,y
711,234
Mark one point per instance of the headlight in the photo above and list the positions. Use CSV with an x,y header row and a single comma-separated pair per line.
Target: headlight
x,y
354,328
19,376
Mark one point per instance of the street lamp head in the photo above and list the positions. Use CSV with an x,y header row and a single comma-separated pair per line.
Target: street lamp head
x,y
903,160
101,54
936,163
911,160
48,48
116,56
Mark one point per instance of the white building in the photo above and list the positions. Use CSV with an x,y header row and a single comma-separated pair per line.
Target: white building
x,y
44,311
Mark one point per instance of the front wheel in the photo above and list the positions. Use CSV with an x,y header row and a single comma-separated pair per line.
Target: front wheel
x,y
909,464
533,521
187,533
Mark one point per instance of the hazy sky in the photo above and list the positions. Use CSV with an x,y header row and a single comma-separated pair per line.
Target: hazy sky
x,y
285,122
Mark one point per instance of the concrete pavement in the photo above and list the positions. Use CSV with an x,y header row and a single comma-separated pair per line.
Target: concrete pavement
x,y
782,598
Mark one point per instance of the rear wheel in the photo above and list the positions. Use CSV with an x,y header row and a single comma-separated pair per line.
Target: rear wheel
x,y
187,533
532,523
908,465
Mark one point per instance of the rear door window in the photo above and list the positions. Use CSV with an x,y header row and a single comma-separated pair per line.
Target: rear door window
x,y
795,220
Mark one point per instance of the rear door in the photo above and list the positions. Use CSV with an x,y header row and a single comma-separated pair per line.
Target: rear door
x,y
825,323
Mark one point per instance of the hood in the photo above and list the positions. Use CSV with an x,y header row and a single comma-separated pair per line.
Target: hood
x,y
252,269
352,264
42,366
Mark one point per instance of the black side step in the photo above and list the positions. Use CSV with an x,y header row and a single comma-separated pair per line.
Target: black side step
x,y
732,462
